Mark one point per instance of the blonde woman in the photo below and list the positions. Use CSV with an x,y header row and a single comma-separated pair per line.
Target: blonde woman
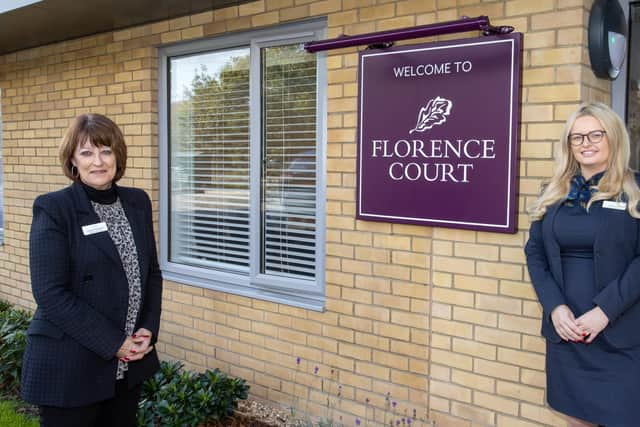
x,y
583,256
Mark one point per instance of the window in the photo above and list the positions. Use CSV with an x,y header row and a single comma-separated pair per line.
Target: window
x,y
242,170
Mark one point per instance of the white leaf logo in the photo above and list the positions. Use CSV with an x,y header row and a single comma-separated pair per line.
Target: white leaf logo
x,y
433,114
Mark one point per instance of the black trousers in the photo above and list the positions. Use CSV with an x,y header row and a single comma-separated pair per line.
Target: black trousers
x,y
120,411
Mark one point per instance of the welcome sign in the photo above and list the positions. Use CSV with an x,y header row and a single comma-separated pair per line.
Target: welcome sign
x,y
438,133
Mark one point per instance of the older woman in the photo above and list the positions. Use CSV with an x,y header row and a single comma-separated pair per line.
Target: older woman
x,y
583,256
96,280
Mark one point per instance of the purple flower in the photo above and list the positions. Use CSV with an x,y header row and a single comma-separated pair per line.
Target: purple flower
x,y
408,421
315,370
394,403
398,422
357,421
297,360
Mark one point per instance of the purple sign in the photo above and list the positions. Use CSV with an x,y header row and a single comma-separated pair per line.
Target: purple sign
x,y
438,133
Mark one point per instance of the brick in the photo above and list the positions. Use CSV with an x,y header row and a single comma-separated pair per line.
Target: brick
x,y
554,93
454,235
474,348
456,297
497,336
408,258
450,391
408,379
570,36
506,421
392,331
372,370
414,7
454,265
479,317
251,8
521,392
474,381
443,248
294,13
526,7
499,270
500,304
496,369
561,19
541,414
496,403
473,413
533,344
519,324
540,168
355,323
409,319
521,358
392,271
447,327
324,7
474,283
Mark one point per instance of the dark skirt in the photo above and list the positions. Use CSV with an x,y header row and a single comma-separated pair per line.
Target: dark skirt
x,y
595,382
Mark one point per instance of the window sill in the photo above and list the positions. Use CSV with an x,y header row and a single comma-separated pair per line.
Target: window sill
x,y
307,301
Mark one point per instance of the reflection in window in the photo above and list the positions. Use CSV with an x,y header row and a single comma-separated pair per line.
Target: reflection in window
x,y
209,171
289,166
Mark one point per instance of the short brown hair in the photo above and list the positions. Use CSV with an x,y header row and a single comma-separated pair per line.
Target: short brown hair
x,y
100,131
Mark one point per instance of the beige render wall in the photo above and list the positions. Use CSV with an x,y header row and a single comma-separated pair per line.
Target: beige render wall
x,y
443,320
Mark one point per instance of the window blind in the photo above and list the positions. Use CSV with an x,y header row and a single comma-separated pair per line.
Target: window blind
x,y
210,160
288,83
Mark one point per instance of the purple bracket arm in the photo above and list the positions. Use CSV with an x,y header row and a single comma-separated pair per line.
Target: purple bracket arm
x,y
383,37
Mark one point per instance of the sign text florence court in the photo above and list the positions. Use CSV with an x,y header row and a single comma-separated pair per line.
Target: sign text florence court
x,y
438,133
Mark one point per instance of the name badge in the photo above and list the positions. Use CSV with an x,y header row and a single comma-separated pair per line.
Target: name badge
x,y
98,227
608,204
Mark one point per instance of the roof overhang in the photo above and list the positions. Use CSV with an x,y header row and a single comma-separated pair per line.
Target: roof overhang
x,y
33,23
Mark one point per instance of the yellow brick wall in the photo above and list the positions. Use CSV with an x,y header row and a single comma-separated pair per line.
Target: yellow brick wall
x,y
438,320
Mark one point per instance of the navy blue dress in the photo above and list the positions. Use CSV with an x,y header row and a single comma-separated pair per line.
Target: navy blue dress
x,y
595,382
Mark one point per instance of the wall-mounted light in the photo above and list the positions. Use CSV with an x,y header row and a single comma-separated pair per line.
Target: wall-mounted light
x,y
607,38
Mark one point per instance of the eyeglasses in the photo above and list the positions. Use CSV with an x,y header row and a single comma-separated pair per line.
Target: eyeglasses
x,y
594,137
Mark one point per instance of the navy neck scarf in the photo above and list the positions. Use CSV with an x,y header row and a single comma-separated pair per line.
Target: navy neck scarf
x,y
581,189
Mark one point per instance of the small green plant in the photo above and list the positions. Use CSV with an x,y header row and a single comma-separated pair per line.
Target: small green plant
x,y
10,418
4,306
177,398
13,339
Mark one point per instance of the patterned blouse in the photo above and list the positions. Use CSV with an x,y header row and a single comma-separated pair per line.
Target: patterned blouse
x,y
120,232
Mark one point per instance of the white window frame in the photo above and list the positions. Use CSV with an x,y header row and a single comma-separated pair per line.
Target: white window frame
x,y
309,294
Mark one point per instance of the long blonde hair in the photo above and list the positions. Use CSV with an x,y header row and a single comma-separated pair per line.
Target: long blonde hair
x,y
618,179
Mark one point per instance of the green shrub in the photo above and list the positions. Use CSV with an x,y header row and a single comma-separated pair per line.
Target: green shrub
x,y
13,339
10,418
176,398
4,306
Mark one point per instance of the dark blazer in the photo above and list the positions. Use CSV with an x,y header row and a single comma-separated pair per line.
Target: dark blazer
x,y
81,289
616,252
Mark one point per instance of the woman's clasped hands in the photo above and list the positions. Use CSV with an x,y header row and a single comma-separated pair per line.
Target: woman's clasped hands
x,y
136,346
583,329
